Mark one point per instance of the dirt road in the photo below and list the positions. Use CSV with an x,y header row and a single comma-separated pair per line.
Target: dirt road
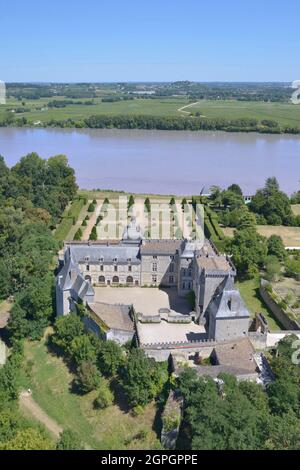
x,y
28,404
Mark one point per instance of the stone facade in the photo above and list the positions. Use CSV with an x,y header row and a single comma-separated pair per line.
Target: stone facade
x,y
161,263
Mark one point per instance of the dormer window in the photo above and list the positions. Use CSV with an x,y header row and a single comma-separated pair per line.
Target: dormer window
x,y
87,258
101,259
129,260
115,260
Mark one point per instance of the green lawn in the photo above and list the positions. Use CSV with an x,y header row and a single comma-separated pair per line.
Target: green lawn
x,y
250,293
113,428
66,228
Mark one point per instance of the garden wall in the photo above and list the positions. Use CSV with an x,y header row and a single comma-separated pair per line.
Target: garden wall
x,y
283,318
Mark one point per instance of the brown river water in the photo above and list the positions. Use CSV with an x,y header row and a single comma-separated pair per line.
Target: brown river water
x,y
162,162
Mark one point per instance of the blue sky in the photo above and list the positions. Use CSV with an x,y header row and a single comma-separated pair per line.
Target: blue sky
x,y
157,40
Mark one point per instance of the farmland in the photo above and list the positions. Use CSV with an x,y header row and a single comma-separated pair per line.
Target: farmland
x,y
285,114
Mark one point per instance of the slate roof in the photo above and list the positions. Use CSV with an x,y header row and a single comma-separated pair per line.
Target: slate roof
x,y
107,252
114,316
228,303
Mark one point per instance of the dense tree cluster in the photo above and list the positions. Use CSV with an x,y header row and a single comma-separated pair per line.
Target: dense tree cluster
x,y
231,415
99,361
272,205
33,195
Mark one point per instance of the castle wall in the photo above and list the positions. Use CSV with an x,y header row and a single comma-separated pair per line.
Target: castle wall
x,y
185,276
225,329
108,271
163,268
62,301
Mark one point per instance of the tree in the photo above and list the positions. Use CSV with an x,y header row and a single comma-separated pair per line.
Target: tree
x,y
78,234
273,268
93,234
284,432
69,440
91,207
183,203
67,328
276,247
232,199
88,376
110,357
292,268
249,251
27,439
235,188
147,204
104,397
142,378
82,349
130,201
223,415
272,204
216,196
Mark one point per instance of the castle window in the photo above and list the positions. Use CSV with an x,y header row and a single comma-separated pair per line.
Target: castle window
x,y
229,304
101,259
115,260
154,279
154,267
101,267
154,257
87,267
171,279
86,258
171,268
101,279
183,285
130,268
115,268
115,280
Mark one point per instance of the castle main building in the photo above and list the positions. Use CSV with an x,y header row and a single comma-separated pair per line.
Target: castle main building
x,y
180,265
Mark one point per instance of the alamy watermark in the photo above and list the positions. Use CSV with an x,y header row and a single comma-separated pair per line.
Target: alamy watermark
x,y
296,95
296,353
2,92
159,221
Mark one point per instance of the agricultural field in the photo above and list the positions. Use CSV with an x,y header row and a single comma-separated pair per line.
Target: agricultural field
x,y
51,382
283,113
289,235
37,109
40,111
